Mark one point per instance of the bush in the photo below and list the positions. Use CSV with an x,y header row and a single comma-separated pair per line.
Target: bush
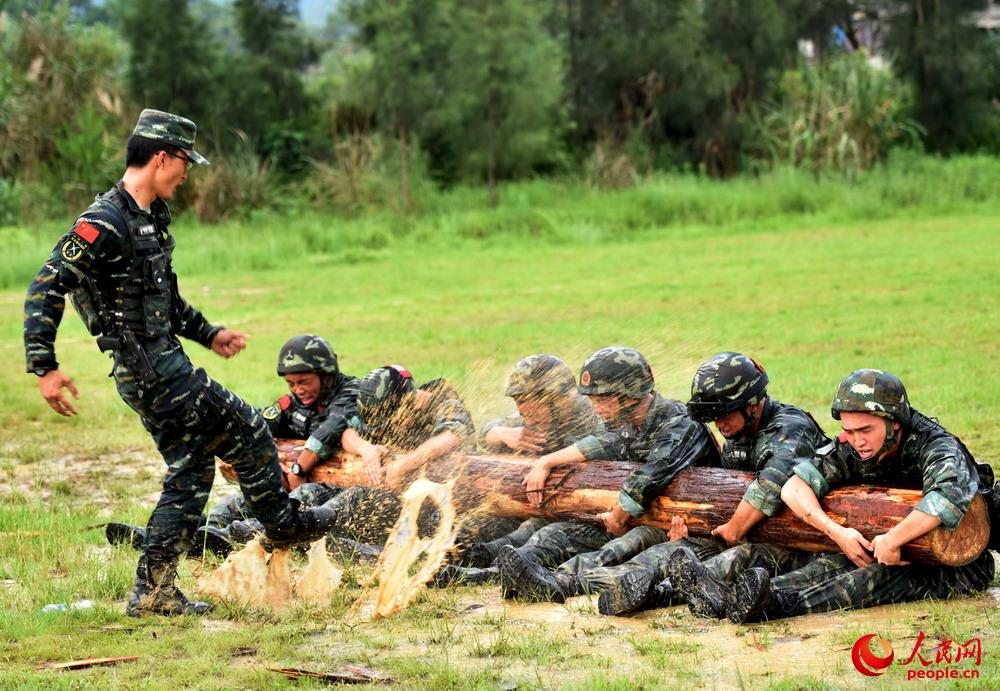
x,y
842,115
233,185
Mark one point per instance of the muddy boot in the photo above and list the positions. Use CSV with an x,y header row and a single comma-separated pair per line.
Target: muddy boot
x,y
307,525
351,551
628,593
154,591
706,596
663,595
478,555
531,581
125,534
242,532
463,575
756,600
215,540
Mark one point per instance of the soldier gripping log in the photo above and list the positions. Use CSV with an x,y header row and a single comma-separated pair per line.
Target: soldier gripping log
x,y
115,264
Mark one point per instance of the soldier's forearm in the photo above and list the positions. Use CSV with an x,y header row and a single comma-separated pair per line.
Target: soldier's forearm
x,y
801,499
916,524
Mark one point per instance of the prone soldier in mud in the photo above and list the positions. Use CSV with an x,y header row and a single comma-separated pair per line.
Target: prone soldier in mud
x,y
115,263
655,433
398,428
551,415
884,441
762,435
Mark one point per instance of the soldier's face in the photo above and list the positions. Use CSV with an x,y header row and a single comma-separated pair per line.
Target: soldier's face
x,y
171,171
731,425
535,412
613,408
304,387
865,432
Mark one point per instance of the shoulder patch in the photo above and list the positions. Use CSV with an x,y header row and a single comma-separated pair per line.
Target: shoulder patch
x,y
86,231
73,248
270,413
842,437
284,402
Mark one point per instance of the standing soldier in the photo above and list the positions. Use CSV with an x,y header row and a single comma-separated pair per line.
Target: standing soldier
x,y
115,264
885,441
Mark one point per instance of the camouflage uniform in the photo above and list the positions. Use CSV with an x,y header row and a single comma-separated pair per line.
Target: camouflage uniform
x,y
543,378
367,514
928,457
115,264
321,423
668,441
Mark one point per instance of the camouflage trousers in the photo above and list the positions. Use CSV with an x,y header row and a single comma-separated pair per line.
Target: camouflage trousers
x,y
234,507
653,559
735,560
832,582
516,537
558,542
616,551
489,529
194,419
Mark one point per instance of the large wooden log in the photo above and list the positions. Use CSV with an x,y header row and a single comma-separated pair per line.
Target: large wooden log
x,y
703,497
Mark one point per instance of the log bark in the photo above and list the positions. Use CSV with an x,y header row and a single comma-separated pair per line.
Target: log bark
x,y
703,497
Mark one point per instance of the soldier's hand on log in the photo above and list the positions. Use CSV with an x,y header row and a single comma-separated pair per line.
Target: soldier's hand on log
x,y
615,524
228,343
727,533
886,551
854,545
678,529
51,385
534,482
371,461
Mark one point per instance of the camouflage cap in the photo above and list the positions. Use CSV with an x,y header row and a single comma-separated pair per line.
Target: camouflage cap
x,y
724,383
384,386
872,391
616,370
171,129
540,375
307,353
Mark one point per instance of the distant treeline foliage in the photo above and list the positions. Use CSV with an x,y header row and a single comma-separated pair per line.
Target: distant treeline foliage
x,y
392,96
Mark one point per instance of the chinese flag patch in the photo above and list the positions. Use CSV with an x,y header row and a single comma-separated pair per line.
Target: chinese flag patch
x,y
284,402
86,231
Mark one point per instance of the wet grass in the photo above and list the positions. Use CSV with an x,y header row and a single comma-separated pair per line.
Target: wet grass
x,y
810,295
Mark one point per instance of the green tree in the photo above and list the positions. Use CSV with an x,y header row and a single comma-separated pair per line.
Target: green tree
x,y
952,63
502,89
171,65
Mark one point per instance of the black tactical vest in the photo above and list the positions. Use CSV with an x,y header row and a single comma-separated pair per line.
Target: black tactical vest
x,y
141,302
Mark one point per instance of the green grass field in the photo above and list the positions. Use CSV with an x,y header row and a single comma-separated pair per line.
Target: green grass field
x,y
812,291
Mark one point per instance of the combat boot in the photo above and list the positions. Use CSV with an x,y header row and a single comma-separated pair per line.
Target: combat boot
x,y
530,581
629,593
756,600
706,596
242,532
663,595
478,555
154,591
449,574
215,540
125,534
307,525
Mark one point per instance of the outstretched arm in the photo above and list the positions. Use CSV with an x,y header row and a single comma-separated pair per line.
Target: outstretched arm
x,y
804,503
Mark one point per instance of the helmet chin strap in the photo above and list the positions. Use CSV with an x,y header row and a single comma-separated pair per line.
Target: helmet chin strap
x,y
749,420
890,439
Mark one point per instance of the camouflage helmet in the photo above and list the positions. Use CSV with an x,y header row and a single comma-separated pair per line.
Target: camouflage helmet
x,y
540,376
384,386
307,353
872,391
616,371
724,383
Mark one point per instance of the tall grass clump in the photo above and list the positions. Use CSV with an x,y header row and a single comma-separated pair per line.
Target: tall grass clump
x,y
233,185
841,115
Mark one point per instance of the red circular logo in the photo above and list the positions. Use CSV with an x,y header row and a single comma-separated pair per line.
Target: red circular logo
x,y
867,662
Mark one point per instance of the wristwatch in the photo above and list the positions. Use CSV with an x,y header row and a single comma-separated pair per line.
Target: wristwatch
x,y
297,470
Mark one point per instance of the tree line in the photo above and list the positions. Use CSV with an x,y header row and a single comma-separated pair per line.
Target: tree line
x,y
477,91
